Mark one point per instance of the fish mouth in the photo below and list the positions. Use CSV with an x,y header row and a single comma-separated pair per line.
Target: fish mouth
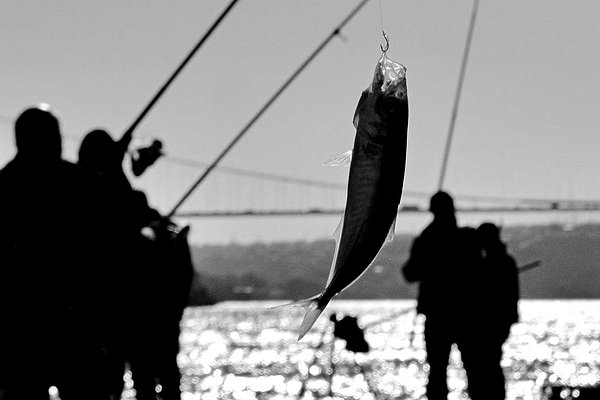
x,y
390,78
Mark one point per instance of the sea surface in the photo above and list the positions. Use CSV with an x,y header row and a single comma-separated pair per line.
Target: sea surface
x,y
244,350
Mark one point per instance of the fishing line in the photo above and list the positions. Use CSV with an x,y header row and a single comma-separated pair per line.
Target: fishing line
x,y
387,42
381,16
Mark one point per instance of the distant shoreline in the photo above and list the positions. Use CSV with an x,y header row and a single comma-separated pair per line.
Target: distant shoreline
x,y
269,271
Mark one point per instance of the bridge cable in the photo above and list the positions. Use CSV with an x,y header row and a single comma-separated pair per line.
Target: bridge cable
x,y
286,179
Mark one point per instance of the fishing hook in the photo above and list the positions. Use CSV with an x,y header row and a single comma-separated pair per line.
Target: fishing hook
x,y
387,43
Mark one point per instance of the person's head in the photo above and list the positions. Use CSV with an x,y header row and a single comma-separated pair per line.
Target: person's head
x,y
489,234
37,134
441,205
98,151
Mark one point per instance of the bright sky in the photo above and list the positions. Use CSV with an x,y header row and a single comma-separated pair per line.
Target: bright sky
x,y
527,125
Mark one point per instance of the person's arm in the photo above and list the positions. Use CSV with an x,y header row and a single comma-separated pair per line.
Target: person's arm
x,y
412,270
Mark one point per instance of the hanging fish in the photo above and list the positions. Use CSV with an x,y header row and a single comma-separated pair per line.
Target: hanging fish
x,y
377,164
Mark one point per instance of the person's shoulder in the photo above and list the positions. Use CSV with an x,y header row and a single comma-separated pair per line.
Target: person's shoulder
x,y
67,165
76,171
6,168
138,198
9,170
467,232
83,181
510,259
431,229
140,201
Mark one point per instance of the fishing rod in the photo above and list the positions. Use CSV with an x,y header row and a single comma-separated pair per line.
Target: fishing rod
x,y
388,318
529,266
128,135
461,79
264,108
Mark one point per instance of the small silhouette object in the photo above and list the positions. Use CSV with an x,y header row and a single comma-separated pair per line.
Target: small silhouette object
x,y
347,329
443,259
146,157
52,242
498,311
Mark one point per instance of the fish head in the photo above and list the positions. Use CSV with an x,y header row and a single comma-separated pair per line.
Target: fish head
x,y
390,78
384,104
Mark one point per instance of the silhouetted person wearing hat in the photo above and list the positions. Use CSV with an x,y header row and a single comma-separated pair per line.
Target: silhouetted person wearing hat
x,y
150,291
444,259
498,311
51,243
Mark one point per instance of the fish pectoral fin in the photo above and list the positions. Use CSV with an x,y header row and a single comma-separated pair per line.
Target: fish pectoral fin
x,y
390,236
342,160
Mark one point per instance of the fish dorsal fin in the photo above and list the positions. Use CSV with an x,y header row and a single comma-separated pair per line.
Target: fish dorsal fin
x,y
342,160
337,236
391,233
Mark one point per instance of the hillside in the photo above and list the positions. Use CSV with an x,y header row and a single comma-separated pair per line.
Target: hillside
x,y
571,266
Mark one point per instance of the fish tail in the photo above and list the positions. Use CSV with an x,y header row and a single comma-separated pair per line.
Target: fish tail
x,y
312,310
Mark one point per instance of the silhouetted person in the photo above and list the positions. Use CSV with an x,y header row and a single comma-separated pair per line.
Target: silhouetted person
x,y
499,296
154,277
174,276
347,329
443,259
51,240
103,155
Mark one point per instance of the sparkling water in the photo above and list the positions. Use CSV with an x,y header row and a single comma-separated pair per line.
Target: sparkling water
x,y
244,350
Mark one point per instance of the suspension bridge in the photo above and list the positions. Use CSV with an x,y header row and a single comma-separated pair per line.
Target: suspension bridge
x,y
235,192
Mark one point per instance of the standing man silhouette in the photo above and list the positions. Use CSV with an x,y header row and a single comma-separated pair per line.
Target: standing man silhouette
x,y
51,243
443,260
